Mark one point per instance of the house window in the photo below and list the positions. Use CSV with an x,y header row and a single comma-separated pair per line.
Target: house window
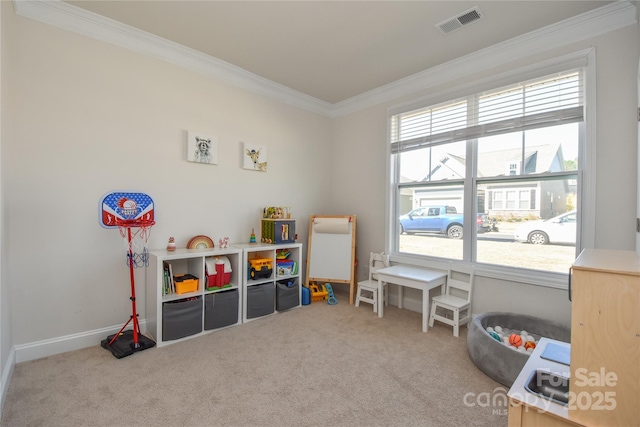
x,y
507,161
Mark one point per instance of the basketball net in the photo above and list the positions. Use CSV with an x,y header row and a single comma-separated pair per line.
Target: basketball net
x,y
136,235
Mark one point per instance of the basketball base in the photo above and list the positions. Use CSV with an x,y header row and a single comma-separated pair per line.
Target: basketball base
x,y
123,346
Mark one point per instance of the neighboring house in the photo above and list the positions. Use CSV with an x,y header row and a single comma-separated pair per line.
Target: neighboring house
x,y
543,199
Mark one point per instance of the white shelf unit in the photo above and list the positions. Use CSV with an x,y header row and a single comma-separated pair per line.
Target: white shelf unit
x,y
176,317
262,296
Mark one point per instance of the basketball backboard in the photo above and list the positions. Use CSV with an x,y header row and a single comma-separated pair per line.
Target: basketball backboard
x,y
123,205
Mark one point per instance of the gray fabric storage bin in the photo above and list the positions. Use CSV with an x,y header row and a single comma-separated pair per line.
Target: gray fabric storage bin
x,y
181,318
260,300
221,309
287,296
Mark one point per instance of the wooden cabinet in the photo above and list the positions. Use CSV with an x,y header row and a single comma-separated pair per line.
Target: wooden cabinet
x,y
605,338
270,284
604,371
530,410
521,415
200,307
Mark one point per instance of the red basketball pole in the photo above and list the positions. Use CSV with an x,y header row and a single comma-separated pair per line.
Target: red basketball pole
x,y
134,316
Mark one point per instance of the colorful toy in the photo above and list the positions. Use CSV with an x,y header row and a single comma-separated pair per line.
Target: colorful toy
x,y
318,293
218,273
133,215
276,212
171,246
260,267
252,239
522,341
331,299
278,231
224,243
286,267
283,254
515,340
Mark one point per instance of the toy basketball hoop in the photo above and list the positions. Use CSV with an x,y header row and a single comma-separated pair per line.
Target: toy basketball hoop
x,y
133,215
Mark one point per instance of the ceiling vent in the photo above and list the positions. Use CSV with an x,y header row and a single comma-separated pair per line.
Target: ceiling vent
x,y
465,18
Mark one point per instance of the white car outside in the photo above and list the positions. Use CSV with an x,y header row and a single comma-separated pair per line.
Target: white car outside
x,y
559,229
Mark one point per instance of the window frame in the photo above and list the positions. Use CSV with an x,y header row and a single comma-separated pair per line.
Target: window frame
x,y
586,175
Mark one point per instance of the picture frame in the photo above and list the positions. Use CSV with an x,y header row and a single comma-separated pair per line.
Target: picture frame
x,y
254,157
202,148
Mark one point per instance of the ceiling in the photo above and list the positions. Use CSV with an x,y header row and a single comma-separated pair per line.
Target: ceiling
x,y
335,50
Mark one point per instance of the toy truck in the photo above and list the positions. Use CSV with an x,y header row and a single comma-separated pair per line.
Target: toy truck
x,y
260,268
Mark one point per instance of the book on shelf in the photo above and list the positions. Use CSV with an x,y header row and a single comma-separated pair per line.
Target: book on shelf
x,y
165,281
206,275
169,281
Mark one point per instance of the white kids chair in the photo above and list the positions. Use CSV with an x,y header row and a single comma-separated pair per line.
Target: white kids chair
x,y
456,301
368,289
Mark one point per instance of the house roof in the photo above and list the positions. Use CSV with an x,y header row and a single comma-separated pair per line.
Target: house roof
x,y
537,159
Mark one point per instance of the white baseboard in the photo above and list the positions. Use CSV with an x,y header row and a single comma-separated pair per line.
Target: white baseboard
x,y
50,347
7,374
407,304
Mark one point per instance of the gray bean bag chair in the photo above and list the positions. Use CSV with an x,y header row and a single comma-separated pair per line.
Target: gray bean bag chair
x,y
495,359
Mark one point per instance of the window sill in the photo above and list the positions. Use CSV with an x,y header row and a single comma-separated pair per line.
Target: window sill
x,y
524,276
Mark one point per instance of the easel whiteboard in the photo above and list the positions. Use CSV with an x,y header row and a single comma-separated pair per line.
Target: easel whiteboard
x,y
331,250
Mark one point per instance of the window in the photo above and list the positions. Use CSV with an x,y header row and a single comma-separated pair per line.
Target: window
x,y
503,164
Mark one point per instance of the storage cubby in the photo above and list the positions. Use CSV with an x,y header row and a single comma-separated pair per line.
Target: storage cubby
x,y
260,300
287,294
205,300
265,268
221,309
181,318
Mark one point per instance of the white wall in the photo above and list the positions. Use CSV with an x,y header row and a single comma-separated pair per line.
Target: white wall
x,y
363,136
81,118
6,343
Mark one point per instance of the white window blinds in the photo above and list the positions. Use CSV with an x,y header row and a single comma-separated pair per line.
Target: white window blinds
x,y
548,101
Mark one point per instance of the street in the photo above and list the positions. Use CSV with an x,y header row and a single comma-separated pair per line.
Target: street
x,y
493,247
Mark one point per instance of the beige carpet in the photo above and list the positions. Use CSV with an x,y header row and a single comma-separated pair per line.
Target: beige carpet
x,y
316,365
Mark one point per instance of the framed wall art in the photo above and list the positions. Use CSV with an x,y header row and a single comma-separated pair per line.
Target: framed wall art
x,y
254,157
202,148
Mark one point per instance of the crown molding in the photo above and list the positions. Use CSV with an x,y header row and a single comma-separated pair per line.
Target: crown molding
x,y
81,21
587,25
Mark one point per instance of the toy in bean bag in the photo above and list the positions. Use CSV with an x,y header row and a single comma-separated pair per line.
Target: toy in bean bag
x,y
518,340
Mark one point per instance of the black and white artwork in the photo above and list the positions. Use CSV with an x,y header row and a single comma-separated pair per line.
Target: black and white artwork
x,y
202,148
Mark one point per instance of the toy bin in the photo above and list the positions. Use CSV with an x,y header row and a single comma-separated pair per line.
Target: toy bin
x,y
221,309
260,300
285,267
278,231
181,318
185,283
287,294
